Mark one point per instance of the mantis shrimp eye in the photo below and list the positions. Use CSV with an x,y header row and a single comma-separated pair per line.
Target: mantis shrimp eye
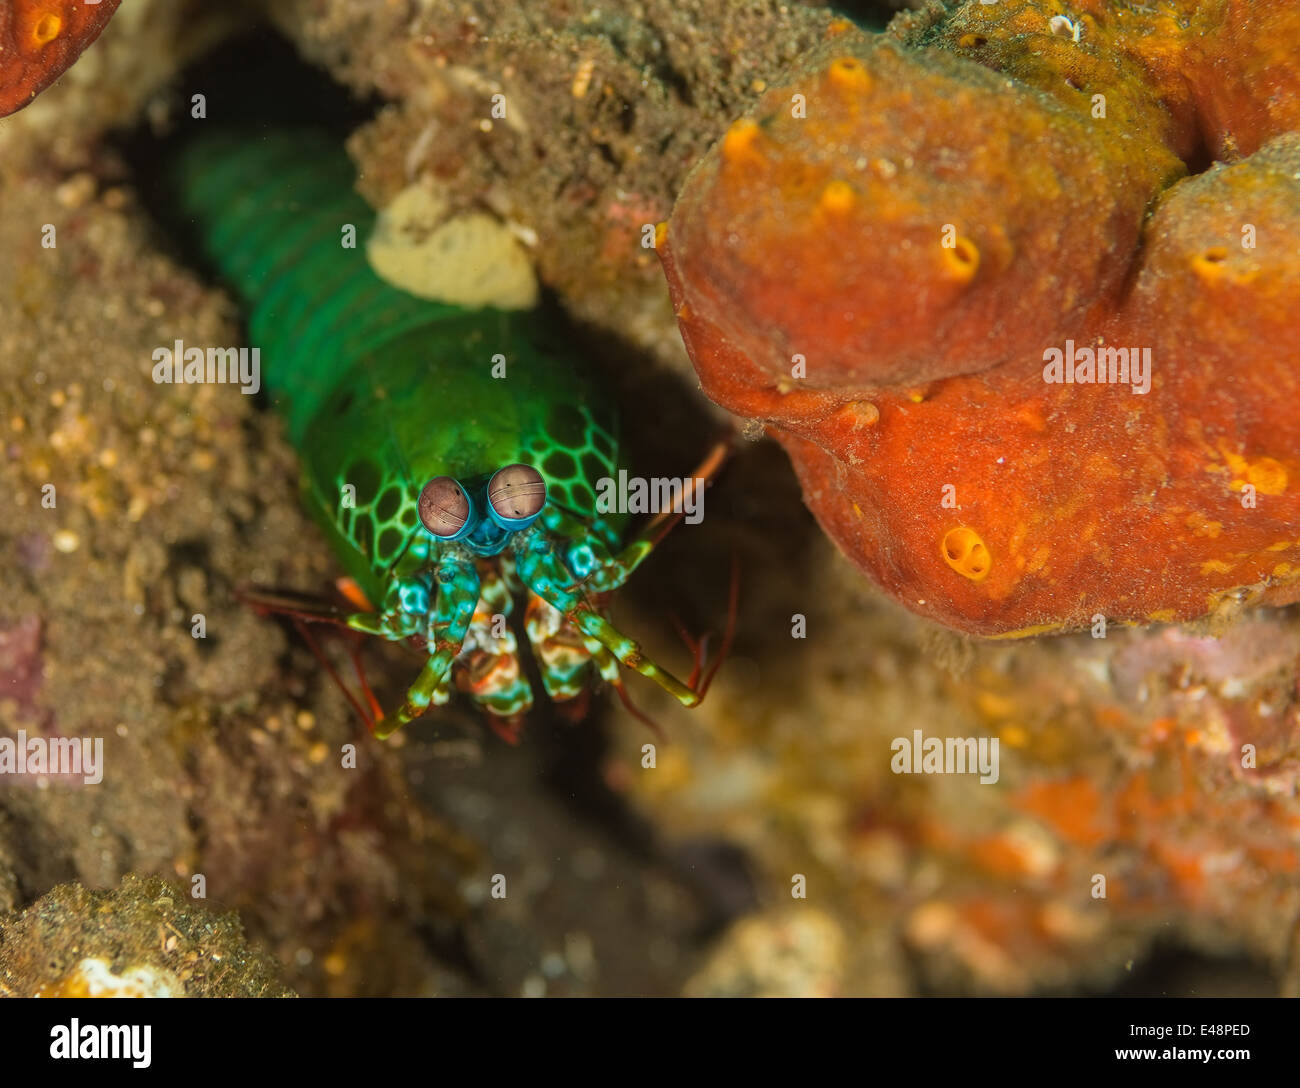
x,y
444,508
516,495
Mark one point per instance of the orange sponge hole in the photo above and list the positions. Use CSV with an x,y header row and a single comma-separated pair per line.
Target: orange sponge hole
x,y
966,553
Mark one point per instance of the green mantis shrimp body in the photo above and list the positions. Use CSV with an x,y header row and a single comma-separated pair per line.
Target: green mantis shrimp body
x,y
408,416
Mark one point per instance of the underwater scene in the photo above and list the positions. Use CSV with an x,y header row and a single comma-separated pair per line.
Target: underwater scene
x,y
650,498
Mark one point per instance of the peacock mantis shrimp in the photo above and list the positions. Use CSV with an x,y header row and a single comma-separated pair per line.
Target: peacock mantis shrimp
x,y
447,491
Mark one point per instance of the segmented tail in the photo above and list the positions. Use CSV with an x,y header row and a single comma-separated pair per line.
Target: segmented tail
x,y
272,213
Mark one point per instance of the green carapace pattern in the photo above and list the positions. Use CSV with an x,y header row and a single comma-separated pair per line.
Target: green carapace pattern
x,y
382,393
